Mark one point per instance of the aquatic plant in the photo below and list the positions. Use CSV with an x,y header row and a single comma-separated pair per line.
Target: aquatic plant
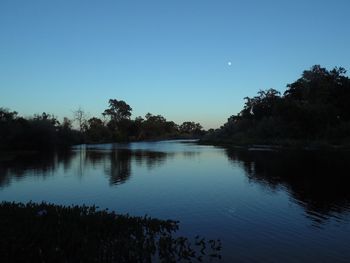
x,y
52,233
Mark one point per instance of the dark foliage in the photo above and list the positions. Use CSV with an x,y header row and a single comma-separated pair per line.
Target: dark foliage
x,y
50,233
120,128
45,131
315,108
40,132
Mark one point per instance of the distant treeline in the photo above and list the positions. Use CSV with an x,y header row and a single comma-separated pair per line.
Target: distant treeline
x,y
45,131
315,109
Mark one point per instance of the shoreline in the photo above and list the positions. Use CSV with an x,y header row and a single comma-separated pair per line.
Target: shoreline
x,y
283,145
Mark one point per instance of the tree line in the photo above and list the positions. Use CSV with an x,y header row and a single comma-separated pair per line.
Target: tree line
x,y
315,108
114,125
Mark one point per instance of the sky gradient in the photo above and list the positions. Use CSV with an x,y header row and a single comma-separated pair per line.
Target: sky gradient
x,y
165,57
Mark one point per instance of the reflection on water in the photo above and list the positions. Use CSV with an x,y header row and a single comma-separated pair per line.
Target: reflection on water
x,y
14,167
318,181
117,162
284,206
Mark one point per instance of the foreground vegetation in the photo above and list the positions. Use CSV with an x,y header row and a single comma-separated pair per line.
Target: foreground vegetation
x,y
51,233
45,131
314,110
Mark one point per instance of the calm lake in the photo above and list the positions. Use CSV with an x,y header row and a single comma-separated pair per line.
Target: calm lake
x,y
265,206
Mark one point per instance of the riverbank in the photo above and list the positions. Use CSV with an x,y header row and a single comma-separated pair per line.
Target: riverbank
x,y
286,144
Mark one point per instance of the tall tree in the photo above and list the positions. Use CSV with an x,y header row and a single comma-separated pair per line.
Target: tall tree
x,y
80,118
190,127
118,110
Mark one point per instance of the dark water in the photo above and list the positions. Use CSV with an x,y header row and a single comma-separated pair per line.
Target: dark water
x,y
264,206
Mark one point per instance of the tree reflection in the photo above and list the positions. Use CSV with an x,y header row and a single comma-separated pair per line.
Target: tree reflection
x,y
151,159
117,162
318,181
15,166
119,170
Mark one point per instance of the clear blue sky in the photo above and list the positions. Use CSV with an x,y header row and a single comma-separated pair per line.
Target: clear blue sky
x,y
166,57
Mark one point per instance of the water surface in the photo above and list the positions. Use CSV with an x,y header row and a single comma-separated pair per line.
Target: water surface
x,y
284,206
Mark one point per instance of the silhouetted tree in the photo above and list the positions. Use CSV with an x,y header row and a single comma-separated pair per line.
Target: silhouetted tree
x,y
119,124
42,131
156,126
315,107
118,110
262,105
7,115
45,131
80,118
97,131
190,127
